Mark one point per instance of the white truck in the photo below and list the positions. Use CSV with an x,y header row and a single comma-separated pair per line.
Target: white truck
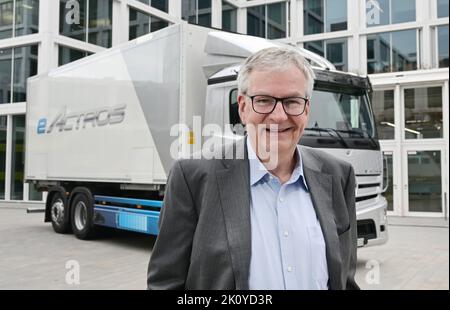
x,y
101,131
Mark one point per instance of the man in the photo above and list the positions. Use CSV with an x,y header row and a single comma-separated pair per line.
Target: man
x,y
281,218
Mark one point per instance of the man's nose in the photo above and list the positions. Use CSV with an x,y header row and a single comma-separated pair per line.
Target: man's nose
x,y
278,114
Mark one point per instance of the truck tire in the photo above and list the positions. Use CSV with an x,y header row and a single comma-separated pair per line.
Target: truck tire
x,y
58,207
82,217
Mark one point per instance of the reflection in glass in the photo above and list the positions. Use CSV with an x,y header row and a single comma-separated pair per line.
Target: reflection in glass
x,y
27,17
100,22
189,11
5,75
443,46
385,12
276,20
67,55
141,24
204,13
388,177
256,21
229,17
424,181
3,128
442,8
334,50
383,110
324,16
340,109
17,156
423,113
162,5
200,15
25,65
313,16
403,11
336,18
6,18
72,19
404,50
377,13
401,44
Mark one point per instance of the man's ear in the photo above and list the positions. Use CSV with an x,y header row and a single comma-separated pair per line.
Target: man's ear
x,y
308,105
241,108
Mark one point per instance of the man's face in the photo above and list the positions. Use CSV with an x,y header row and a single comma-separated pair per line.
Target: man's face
x,y
290,82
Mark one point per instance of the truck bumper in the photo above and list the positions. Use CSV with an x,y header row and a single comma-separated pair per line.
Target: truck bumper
x,y
372,222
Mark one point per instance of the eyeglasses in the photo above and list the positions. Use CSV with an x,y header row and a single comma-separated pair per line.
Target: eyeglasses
x,y
293,106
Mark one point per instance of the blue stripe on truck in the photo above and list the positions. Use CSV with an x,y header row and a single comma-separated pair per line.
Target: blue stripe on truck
x,y
138,220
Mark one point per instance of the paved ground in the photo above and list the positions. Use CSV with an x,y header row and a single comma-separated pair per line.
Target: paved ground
x,y
32,256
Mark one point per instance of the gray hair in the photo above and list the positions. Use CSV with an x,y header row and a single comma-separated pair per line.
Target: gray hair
x,y
275,58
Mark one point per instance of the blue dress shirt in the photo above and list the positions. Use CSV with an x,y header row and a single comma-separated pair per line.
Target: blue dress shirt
x,y
288,248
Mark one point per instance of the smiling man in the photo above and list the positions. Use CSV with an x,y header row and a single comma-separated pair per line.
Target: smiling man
x,y
281,218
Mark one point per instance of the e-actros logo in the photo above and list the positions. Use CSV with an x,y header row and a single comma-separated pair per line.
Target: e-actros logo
x,y
80,120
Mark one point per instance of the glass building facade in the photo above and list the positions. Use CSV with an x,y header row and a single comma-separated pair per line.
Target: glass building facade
x,y
402,46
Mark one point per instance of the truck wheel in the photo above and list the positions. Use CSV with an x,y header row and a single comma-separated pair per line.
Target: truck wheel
x,y
57,210
82,217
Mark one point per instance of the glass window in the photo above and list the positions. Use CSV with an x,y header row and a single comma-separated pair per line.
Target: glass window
x,y
424,181
423,113
442,8
141,24
72,21
162,5
17,156
385,12
256,21
333,50
5,75
392,51
267,21
197,12
383,110
403,11
204,13
276,20
67,55
404,50
25,65
100,22
3,128
229,17
336,16
442,46
324,16
27,17
6,18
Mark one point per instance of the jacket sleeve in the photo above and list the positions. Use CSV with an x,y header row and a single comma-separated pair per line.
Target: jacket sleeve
x,y
350,200
170,258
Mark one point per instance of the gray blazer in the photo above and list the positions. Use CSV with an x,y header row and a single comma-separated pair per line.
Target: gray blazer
x,y
204,240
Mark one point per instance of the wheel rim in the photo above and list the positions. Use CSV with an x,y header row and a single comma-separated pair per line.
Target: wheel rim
x,y
80,215
58,211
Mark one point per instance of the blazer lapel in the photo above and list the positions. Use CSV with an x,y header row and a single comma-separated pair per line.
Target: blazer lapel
x,y
320,186
234,191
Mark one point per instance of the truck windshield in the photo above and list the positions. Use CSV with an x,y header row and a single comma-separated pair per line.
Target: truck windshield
x,y
340,109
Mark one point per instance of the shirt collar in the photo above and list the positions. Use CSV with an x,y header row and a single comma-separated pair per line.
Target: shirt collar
x,y
258,171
